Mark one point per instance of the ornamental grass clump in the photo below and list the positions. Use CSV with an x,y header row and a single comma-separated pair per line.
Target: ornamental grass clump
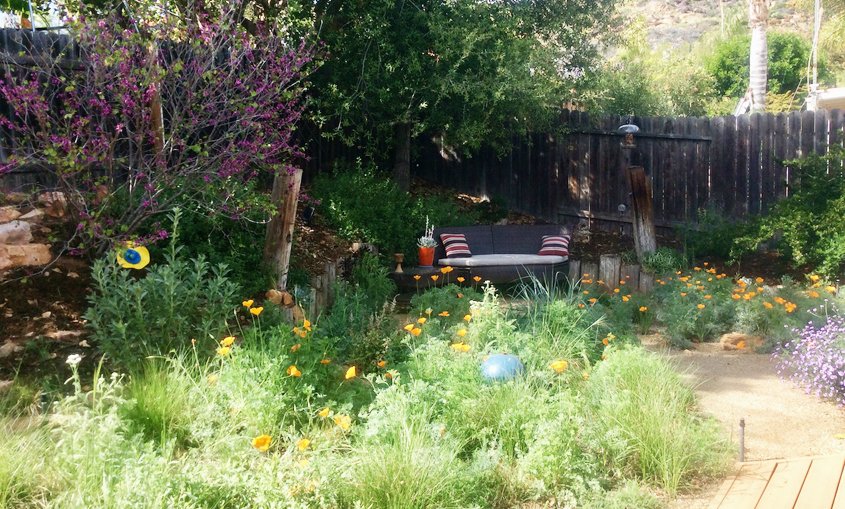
x,y
815,359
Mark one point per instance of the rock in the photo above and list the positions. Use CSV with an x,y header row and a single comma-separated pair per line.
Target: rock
x,y
8,214
15,232
740,341
73,275
46,314
15,197
61,335
33,215
9,348
5,385
54,202
26,255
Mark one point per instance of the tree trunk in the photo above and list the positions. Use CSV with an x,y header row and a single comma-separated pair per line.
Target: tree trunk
x,y
402,155
645,238
758,64
279,237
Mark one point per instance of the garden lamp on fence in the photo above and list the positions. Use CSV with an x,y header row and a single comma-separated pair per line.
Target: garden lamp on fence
x,y
628,130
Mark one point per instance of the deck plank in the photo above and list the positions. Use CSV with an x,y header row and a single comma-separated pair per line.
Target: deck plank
x,y
749,485
717,499
785,484
819,490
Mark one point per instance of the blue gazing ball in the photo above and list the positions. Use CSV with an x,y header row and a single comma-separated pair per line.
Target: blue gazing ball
x,y
132,256
501,367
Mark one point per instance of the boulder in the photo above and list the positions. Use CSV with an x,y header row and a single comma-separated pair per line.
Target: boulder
x,y
12,256
8,213
15,232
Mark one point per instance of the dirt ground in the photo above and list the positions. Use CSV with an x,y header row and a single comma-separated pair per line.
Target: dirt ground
x,y
781,420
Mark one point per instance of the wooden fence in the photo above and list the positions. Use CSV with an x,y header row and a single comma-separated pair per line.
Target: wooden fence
x,y
733,165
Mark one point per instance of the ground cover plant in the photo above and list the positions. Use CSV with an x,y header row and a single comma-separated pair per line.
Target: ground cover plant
x,y
304,416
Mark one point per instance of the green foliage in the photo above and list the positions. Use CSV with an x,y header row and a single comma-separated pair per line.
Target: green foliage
x,y
788,57
638,401
664,260
371,278
361,205
713,234
807,226
176,300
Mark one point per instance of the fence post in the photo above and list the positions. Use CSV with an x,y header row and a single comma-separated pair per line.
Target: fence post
x,y
645,238
279,237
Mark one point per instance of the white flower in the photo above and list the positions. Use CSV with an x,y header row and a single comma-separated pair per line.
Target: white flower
x,y
74,360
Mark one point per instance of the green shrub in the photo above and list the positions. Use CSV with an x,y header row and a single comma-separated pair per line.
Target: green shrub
x,y
713,235
362,205
131,317
664,260
807,226
788,57
24,464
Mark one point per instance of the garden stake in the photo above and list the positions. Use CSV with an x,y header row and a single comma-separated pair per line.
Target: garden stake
x,y
742,439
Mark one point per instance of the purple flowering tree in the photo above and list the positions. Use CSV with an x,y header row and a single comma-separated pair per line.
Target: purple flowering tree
x,y
157,113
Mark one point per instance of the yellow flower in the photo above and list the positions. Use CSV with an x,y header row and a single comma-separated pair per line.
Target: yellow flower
x,y
708,297
700,306
416,331
586,292
295,348
262,442
435,277
350,373
814,278
621,281
585,275
759,280
740,345
814,294
476,278
460,347
421,320
643,309
133,257
767,305
559,366
223,351
605,341
343,421
683,294
212,379
467,318
302,444
256,311
408,327
325,361
382,363
417,277
446,270
580,306
735,296
306,323
461,333
616,290
831,289
293,371
227,341
748,296
585,375
790,307
697,269
248,303
324,412
592,300
626,298
443,313
780,300
460,279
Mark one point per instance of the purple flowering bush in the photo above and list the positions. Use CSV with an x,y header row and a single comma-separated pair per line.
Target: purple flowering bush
x,y
187,111
815,359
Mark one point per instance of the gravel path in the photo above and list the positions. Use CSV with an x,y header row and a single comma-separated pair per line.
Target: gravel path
x,y
781,420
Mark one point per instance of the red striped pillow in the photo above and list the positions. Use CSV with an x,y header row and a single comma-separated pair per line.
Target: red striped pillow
x,y
456,245
555,245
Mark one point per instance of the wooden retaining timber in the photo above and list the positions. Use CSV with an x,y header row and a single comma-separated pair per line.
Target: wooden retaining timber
x,y
611,271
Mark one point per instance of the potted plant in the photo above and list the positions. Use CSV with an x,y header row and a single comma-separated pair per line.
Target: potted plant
x,y
426,245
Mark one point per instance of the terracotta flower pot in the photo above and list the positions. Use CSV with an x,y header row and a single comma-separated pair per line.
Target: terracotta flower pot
x,y
426,256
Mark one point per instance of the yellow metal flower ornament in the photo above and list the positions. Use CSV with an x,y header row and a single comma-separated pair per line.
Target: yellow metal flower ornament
x,y
131,256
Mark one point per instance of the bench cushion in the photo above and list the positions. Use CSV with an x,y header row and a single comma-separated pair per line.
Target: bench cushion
x,y
455,245
556,245
490,260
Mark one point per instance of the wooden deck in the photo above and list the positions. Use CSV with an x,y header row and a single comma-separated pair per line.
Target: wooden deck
x,y
802,483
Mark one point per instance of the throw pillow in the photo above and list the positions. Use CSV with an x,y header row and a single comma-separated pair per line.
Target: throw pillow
x,y
456,245
555,245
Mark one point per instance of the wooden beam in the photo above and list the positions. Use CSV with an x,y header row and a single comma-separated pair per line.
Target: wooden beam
x,y
645,237
279,237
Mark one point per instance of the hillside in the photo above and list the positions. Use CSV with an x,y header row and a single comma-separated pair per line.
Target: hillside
x,y
675,23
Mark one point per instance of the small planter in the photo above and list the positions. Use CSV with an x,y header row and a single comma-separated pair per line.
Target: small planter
x,y
426,256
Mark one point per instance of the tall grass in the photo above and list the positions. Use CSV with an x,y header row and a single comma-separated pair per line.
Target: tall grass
x,y
647,418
